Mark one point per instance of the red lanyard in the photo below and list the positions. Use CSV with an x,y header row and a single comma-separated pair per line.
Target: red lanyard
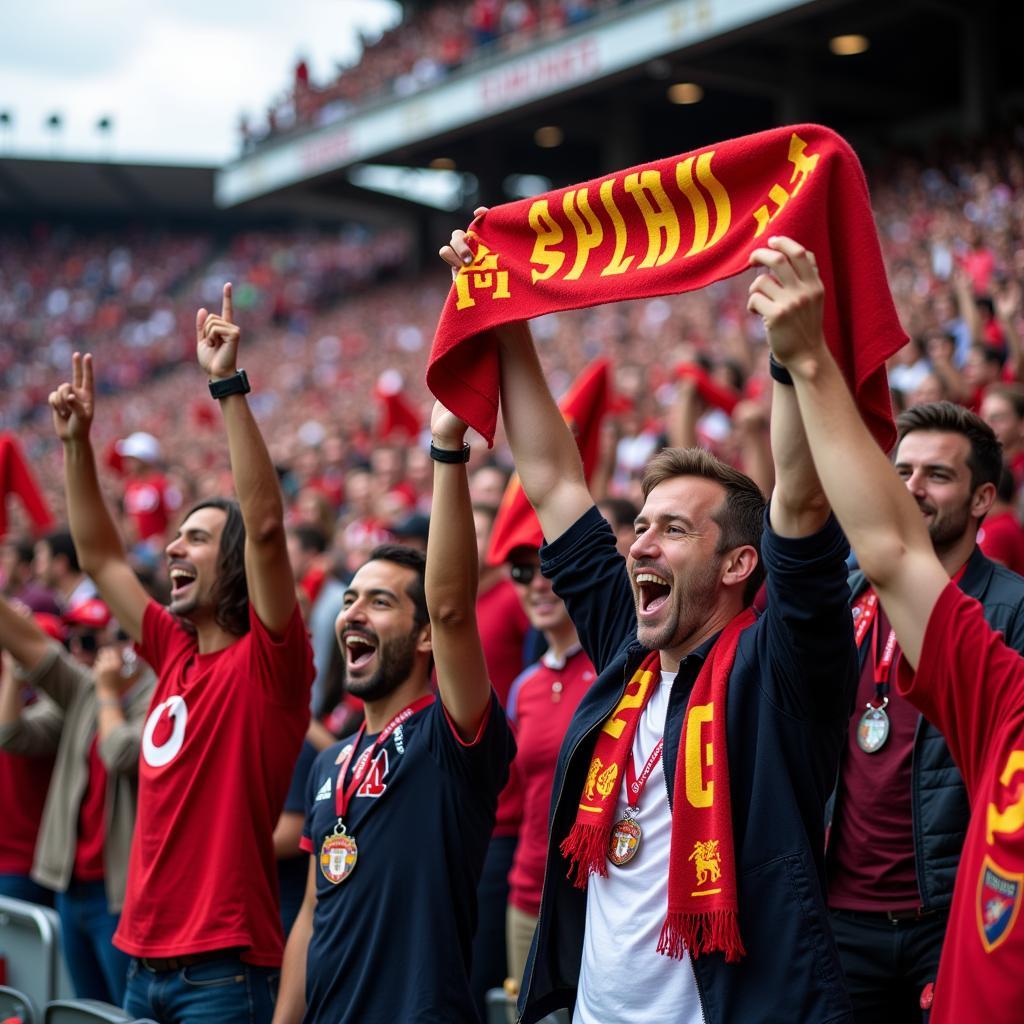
x,y
362,768
636,785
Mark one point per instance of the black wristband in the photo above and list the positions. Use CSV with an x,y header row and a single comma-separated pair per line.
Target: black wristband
x,y
779,372
236,384
447,455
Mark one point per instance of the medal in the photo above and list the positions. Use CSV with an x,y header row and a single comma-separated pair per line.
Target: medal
x,y
873,728
625,839
338,854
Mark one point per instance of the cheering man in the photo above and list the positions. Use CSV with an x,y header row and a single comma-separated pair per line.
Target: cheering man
x,y
399,816
955,668
229,712
690,789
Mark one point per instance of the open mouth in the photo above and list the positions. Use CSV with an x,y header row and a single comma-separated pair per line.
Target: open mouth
x,y
181,579
653,590
359,649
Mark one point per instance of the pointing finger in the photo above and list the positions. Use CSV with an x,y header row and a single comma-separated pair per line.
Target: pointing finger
x,y
227,309
76,369
88,384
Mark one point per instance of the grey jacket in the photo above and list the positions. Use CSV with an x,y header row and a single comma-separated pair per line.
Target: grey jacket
x,y
63,720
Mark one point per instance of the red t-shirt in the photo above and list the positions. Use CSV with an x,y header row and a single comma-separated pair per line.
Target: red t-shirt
x,y
502,624
971,685
871,855
1002,539
24,782
218,749
149,500
92,820
541,705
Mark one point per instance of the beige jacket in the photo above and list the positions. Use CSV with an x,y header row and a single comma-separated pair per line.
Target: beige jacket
x,y
63,720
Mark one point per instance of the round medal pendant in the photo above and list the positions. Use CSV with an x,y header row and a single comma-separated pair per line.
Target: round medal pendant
x,y
338,854
624,842
873,729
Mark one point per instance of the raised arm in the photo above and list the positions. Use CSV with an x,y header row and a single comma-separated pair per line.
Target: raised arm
x,y
878,514
267,569
20,635
546,455
451,583
101,552
792,292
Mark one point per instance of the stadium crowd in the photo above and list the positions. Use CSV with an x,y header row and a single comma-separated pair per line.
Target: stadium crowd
x,y
429,44
335,352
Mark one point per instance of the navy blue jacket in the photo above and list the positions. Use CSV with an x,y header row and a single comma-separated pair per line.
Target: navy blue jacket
x,y
939,806
790,694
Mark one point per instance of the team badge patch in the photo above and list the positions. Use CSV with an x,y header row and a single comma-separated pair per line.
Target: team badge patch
x,y
999,899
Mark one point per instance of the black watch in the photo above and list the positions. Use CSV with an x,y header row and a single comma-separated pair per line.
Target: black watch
x,y
449,454
236,384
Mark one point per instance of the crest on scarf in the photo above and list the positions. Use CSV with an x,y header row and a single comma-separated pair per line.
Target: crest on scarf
x,y
482,275
707,861
603,781
998,903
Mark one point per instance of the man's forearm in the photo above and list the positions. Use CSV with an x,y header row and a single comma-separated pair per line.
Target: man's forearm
x,y
255,479
799,506
291,996
546,456
92,527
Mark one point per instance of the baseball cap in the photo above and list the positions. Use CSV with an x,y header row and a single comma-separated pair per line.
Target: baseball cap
x,y
139,445
51,626
92,614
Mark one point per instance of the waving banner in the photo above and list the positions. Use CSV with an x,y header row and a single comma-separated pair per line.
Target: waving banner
x,y
670,226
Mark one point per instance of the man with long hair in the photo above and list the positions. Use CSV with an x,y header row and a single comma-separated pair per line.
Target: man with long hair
x,y
229,711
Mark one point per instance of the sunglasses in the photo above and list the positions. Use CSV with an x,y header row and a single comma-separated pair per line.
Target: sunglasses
x,y
523,572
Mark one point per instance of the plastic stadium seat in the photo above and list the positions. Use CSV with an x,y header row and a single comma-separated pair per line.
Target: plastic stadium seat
x,y
84,1011
31,946
15,1005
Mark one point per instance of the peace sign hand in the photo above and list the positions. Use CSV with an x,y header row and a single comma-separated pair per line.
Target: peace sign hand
x,y
217,340
72,404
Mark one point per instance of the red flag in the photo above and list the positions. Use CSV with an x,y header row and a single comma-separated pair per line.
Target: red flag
x,y
15,478
397,414
584,407
672,226
716,395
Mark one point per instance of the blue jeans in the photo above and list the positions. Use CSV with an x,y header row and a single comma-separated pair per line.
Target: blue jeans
x,y
21,887
87,927
224,991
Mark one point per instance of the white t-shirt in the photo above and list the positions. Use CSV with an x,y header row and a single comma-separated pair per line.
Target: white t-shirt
x,y
623,977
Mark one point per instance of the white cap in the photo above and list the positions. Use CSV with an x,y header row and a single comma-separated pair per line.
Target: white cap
x,y
139,445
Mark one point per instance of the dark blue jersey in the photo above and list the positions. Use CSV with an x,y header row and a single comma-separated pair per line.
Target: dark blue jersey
x,y
392,941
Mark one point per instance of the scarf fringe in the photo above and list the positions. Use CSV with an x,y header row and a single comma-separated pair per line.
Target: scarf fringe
x,y
585,847
717,931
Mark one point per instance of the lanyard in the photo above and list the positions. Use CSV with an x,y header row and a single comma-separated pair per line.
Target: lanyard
x,y
637,785
343,795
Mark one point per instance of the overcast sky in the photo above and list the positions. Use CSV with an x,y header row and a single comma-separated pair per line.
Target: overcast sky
x,y
174,75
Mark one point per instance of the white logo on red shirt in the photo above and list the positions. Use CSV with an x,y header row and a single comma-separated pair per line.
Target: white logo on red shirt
x,y
164,735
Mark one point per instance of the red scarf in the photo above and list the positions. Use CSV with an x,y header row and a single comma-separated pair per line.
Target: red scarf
x,y
703,915
672,226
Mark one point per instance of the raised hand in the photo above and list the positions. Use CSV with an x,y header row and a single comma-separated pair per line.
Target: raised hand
x,y
789,297
446,428
73,403
457,252
217,339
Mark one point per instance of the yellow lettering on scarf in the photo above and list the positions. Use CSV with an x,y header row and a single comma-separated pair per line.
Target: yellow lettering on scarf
x,y
616,724
618,265
548,234
698,756
589,233
1012,819
482,274
803,167
694,196
659,216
